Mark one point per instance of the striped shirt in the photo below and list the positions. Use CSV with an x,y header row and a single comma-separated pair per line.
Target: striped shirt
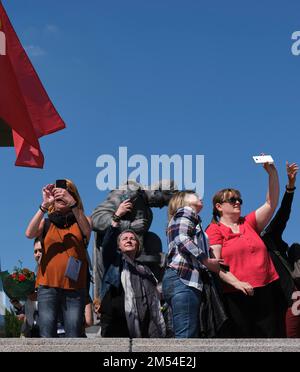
x,y
188,245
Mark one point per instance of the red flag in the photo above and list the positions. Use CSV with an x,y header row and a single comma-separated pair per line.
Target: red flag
x,y
24,104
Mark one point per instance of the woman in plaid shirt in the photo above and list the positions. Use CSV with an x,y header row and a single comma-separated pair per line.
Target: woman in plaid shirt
x,y
188,255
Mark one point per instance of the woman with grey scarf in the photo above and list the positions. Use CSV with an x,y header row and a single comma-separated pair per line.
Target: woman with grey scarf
x,y
130,305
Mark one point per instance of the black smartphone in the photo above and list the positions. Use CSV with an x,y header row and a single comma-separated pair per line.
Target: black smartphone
x,y
224,267
62,184
132,199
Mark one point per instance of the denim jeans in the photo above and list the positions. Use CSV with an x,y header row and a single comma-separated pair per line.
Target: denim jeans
x,y
185,304
71,304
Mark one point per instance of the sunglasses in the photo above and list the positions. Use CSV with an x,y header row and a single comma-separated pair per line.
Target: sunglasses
x,y
37,251
233,200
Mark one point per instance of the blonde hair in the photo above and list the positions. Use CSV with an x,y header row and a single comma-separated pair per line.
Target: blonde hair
x,y
72,189
179,200
219,198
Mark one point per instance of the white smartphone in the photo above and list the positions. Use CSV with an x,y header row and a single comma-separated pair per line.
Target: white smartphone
x,y
261,159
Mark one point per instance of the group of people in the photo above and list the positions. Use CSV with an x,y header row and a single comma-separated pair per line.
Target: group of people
x,y
235,279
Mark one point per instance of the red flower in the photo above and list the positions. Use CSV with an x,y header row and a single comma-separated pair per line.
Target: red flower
x,y
13,275
22,278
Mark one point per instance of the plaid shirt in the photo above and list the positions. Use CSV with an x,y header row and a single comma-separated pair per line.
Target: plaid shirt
x,y
187,246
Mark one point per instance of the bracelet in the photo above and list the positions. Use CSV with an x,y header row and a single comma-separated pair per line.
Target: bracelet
x,y
74,205
43,209
116,218
290,189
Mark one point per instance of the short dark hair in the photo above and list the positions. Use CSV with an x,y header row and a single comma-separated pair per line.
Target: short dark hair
x,y
37,239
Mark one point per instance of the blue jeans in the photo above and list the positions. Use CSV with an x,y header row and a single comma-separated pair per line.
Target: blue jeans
x,y
185,304
70,303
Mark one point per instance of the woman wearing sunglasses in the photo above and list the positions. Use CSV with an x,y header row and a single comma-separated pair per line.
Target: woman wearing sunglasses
x,y
251,280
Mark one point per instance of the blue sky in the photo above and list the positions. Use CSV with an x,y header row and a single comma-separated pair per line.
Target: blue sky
x,y
161,77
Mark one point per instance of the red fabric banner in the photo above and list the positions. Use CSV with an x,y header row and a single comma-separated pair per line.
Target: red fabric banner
x,y
24,104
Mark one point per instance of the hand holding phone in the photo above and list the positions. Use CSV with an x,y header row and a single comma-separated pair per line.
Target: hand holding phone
x,y
124,207
48,197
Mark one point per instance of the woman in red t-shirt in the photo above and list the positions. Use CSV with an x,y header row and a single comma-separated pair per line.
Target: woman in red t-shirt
x,y
251,280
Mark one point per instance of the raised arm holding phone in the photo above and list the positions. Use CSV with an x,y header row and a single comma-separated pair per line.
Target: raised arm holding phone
x,y
63,270
282,257
249,285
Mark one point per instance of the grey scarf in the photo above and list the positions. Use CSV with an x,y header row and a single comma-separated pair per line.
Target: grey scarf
x,y
142,305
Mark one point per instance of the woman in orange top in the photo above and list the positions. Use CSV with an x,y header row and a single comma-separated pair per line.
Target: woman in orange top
x,y
62,274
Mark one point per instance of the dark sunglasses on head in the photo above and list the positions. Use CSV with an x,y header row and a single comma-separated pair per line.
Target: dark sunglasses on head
x,y
233,200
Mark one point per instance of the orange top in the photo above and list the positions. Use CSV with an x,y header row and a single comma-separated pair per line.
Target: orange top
x,y
59,245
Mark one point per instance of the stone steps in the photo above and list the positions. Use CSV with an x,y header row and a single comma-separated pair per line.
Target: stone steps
x,y
109,345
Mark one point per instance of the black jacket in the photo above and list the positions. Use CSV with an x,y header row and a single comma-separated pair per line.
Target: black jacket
x,y
272,238
147,301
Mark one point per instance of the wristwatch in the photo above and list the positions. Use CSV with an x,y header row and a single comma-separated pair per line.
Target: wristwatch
x,y
116,218
290,188
74,205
